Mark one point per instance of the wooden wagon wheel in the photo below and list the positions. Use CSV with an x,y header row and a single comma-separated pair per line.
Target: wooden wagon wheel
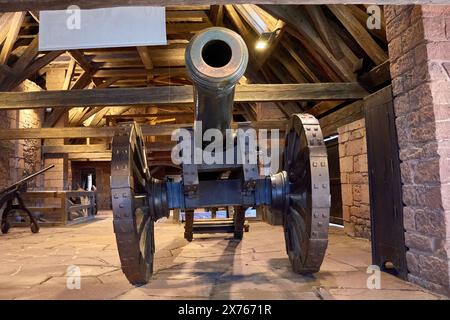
x,y
133,222
307,211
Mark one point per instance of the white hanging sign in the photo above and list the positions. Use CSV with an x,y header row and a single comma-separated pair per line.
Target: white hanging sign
x,y
102,28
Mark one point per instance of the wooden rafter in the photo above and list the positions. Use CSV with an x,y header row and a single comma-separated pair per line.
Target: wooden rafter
x,y
5,22
11,37
359,33
14,79
69,74
298,19
144,53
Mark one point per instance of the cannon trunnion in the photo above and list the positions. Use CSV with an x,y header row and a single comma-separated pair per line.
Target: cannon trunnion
x,y
300,192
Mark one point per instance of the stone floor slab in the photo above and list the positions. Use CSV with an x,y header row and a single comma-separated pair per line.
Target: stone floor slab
x,y
34,266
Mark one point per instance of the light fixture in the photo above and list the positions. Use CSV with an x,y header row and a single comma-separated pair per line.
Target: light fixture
x,y
263,41
261,45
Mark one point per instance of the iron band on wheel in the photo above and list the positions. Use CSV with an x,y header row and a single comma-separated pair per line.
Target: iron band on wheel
x,y
307,211
133,223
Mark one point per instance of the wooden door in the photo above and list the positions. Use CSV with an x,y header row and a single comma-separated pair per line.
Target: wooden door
x,y
386,207
335,182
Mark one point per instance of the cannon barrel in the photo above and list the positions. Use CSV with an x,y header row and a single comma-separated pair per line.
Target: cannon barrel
x,y
216,59
27,178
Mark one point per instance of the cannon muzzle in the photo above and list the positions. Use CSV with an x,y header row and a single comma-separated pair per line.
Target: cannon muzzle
x,y
216,59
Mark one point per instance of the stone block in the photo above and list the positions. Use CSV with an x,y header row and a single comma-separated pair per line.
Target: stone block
x,y
343,137
444,165
356,125
347,195
441,112
355,147
429,285
438,50
358,134
397,86
420,54
406,171
346,164
360,163
409,219
359,178
398,25
432,11
421,242
409,193
429,222
401,104
395,49
403,64
443,130
427,171
365,195
389,13
422,134
445,194
356,190
420,97
434,269
345,177
412,262
342,150
346,213
412,36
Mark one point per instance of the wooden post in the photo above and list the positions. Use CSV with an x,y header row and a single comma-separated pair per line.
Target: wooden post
x,y
239,220
189,225
64,207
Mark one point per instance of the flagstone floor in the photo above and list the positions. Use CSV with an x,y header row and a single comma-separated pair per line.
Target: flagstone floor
x,y
211,267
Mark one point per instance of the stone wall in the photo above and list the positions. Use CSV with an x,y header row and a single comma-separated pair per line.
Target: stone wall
x,y
419,50
56,179
20,157
354,179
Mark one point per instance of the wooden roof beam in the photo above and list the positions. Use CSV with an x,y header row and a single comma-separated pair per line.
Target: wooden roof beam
x,y
28,5
359,33
177,95
108,132
299,20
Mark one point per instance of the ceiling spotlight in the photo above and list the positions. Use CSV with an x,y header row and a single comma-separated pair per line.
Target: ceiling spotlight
x,y
264,40
261,45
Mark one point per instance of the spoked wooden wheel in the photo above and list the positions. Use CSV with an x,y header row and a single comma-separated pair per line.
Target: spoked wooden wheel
x,y
307,211
133,223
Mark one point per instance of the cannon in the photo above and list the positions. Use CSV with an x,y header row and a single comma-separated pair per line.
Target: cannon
x,y
216,59
14,202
